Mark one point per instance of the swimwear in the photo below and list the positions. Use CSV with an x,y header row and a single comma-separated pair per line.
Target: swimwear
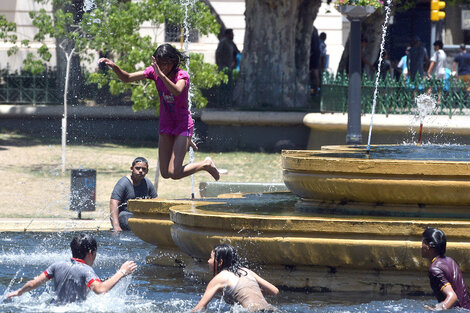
x,y
248,293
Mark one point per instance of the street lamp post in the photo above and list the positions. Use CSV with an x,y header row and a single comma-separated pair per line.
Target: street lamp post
x,y
355,14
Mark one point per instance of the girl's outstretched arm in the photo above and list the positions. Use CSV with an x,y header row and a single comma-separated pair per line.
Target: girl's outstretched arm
x,y
217,283
123,75
265,286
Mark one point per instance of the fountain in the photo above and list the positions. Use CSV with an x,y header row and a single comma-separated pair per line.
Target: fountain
x,y
352,221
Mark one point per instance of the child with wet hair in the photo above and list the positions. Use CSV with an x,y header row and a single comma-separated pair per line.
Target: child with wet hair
x,y
445,276
240,284
175,123
74,278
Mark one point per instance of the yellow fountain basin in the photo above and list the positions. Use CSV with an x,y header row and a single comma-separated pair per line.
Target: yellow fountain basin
x,y
313,176
352,242
151,221
299,248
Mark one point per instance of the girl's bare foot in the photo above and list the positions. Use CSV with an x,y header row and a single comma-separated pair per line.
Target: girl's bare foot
x,y
211,169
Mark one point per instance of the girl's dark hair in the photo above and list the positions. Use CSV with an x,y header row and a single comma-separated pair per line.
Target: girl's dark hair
x,y
229,257
81,244
168,52
436,239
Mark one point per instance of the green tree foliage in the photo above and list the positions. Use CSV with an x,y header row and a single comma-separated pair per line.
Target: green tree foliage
x,y
8,33
112,27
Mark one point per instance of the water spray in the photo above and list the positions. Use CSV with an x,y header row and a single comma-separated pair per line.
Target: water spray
x,y
185,35
426,105
388,9
5,294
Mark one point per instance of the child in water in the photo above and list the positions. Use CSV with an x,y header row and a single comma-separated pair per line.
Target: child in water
x,y
74,278
445,276
176,125
240,284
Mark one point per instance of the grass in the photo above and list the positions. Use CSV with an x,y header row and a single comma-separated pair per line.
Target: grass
x,y
32,184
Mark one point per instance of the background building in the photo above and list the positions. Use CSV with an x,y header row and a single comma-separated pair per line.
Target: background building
x,y
231,12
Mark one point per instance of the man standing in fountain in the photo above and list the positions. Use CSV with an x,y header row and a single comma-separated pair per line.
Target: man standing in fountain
x,y
444,274
75,277
133,186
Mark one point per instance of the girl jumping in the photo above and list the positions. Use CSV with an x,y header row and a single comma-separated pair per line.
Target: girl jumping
x,y
240,284
176,125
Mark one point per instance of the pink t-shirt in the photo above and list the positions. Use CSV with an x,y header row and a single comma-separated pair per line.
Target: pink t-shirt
x,y
175,118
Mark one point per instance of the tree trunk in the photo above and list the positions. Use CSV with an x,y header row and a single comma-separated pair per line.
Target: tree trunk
x,y
371,28
275,64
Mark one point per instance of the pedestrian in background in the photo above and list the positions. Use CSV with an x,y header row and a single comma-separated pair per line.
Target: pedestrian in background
x,y
403,63
314,65
461,66
417,58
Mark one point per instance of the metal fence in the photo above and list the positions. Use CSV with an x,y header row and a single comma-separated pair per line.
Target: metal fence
x,y
25,88
396,96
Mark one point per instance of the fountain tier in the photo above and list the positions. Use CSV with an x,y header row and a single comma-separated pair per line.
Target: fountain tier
x,y
341,176
294,247
357,226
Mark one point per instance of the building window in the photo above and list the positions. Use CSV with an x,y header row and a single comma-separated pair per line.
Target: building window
x,y
173,33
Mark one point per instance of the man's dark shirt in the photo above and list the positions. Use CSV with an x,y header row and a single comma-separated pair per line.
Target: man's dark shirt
x,y
125,190
463,61
444,271
417,57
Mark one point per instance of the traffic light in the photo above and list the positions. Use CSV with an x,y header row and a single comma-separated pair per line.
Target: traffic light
x,y
436,13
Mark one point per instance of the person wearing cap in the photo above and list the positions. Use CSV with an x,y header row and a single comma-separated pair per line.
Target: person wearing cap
x,y
445,276
133,186
463,69
75,277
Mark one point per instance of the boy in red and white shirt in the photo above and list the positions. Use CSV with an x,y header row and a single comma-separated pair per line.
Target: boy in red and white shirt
x,y
75,277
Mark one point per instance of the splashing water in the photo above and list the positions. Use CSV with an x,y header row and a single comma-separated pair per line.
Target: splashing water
x,y
388,9
88,5
151,288
426,105
7,290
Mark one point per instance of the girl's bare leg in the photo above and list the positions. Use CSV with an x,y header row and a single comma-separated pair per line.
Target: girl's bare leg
x,y
165,151
176,168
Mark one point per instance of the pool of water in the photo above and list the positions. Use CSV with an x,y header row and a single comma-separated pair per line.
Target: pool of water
x,y
150,288
409,152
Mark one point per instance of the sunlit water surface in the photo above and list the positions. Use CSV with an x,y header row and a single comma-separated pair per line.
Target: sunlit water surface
x,y
150,288
432,152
